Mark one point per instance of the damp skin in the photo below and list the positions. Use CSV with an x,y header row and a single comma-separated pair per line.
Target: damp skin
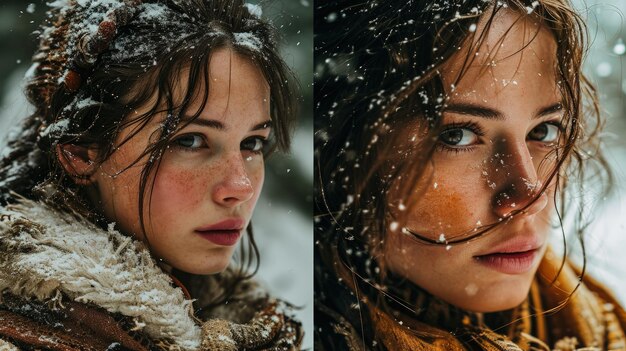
x,y
207,175
493,168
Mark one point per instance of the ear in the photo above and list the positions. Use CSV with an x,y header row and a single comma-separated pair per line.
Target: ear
x,y
78,161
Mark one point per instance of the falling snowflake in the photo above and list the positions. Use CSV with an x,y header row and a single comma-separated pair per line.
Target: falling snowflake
x,y
393,226
619,48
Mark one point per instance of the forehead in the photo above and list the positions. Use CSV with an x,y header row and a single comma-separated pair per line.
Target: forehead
x,y
231,70
508,49
233,81
231,88
228,71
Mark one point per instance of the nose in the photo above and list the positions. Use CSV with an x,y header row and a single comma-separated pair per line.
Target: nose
x,y
234,186
516,183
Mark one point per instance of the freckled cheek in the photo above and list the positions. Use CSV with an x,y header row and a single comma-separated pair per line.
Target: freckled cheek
x,y
452,203
180,188
441,211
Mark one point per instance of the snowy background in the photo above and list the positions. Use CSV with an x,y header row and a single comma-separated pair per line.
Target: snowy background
x,y
283,226
606,238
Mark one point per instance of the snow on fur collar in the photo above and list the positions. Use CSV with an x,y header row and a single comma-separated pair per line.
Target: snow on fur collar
x,y
44,251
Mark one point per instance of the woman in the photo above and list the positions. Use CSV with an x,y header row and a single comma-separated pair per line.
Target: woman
x,y
131,184
449,132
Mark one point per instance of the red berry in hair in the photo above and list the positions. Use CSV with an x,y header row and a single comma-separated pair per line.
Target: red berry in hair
x,y
73,80
106,30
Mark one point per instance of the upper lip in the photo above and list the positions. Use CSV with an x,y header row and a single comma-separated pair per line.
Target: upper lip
x,y
519,243
227,224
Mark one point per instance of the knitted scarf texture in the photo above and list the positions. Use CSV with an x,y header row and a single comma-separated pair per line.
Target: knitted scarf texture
x,y
561,313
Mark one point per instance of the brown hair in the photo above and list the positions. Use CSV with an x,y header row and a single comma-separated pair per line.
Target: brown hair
x,y
98,61
372,83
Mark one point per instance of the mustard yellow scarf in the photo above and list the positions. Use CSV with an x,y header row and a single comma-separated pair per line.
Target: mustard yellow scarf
x,y
565,316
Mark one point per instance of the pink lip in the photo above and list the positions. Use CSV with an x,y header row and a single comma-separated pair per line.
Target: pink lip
x,y
224,233
515,256
227,224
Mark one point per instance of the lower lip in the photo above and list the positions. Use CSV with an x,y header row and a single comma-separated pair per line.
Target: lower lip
x,y
510,263
221,237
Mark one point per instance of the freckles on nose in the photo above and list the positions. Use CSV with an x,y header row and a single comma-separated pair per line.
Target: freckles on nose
x,y
511,162
235,171
517,181
241,180
234,184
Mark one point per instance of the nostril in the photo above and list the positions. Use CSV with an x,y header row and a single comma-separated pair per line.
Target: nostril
x,y
526,201
537,204
504,203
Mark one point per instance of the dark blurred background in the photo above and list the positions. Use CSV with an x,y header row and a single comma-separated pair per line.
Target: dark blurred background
x,y
283,225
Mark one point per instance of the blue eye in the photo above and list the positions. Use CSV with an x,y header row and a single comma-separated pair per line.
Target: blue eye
x,y
545,132
190,141
255,144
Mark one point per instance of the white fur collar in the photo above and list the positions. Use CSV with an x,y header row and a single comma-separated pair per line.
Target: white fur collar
x,y
44,251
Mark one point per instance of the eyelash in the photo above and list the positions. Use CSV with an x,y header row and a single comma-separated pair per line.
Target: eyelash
x,y
264,144
558,124
471,126
478,130
174,144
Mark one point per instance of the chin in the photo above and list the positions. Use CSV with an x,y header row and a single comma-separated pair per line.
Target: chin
x,y
499,297
214,266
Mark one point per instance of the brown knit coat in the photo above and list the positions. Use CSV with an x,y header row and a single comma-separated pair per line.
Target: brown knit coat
x,y
66,284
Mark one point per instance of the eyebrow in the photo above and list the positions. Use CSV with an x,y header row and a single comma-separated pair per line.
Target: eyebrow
x,y
490,113
211,123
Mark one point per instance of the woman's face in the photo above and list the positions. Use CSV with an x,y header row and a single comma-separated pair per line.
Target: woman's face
x,y
209,178
500,123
